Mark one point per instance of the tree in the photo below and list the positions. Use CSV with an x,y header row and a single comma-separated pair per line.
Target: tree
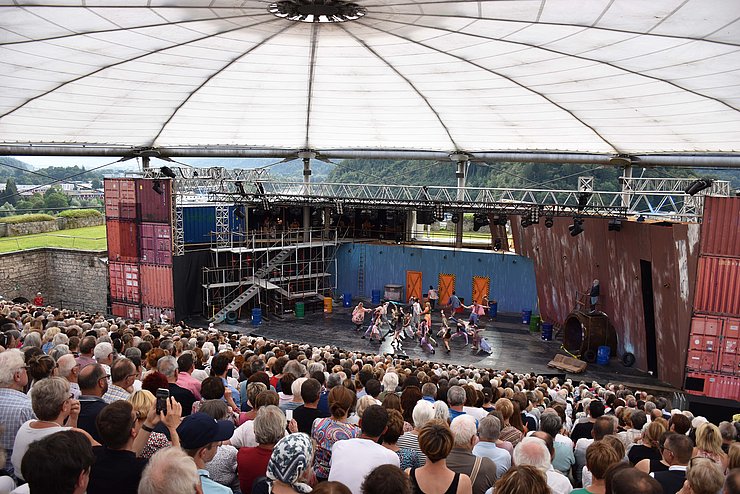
x,y
7,209
96,183
55,201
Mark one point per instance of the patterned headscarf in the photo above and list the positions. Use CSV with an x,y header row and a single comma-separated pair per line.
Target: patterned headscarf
x,y
290,458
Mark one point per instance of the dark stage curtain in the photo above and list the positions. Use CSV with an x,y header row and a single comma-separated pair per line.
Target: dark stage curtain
x,y
188,283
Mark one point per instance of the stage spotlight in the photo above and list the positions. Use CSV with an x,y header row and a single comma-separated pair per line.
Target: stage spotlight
x,y
340,208
549,221
455,218
526,222
697,186
167,172
157,187
240,187
583,198
439,212
239,212
577,227
615,225
500,220
479,220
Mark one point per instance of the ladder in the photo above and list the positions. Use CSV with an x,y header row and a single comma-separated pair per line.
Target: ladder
x,y
258,278
361,272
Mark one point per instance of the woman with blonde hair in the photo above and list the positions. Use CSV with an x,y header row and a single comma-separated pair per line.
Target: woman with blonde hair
x,y
703,476
709,444
649,446
142,401
509,432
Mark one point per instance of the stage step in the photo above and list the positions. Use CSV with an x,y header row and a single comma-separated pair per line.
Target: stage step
x,y
236,303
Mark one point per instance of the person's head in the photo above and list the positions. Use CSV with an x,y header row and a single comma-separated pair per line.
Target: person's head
x,y
13,370
220,364
629,480
200,436
390,382
522,479
436,440
310,391
732,482
269,425
604,426
50,398
596,408
599,457
40,367
506,407
679,423
253,389
708,438
167,366
551,423
331,488
290,458
704,476
677,449
170,471
464,431
548,440
409,398
733,456
638,419
93,380
59,463
185,362
123,372
456,396
373,388
68,367
116,425
489,429
374,421
532,451
394,428
423,413
386,479
103,353
141,401
651,436
216,409
341,401
429,390
87,345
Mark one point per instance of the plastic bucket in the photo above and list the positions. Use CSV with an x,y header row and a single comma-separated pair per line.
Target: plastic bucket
x,y
347,300
526,316
534,324
547,331
493,311
376,297
603,355
300,310
256,316
328,305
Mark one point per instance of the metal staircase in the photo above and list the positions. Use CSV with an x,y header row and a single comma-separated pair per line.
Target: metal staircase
x,y
257,281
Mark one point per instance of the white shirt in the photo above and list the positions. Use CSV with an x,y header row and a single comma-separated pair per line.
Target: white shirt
x,y
557,482
244,437
475,412
26,435
353,459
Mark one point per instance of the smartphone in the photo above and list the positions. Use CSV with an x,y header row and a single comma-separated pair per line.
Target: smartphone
x,y
162,395
289,415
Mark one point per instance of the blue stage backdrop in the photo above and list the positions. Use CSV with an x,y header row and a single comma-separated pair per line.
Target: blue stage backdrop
x,y
512,280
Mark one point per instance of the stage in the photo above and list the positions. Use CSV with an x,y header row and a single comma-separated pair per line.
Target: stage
x,y
513,346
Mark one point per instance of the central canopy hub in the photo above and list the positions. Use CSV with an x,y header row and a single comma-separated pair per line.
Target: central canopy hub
x,y
317,10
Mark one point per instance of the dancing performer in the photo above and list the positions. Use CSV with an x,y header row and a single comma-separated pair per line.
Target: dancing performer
x,y
445,332
358,316
427,314
407,331
374,327
461,330
426,338
415,313
396,319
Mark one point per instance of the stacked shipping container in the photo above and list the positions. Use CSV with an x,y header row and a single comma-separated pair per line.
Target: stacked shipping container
x,y
713,363
139,231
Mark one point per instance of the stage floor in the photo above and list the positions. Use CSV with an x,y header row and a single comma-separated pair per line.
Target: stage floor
x,y
513,346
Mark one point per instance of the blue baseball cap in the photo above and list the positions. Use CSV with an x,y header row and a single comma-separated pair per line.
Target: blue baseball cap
x,y
199,429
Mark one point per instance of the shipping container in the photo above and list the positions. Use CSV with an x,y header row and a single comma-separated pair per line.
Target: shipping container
x,y
156,286
198,223
155,314
701,383
126,310
155,203
718,286
698,360
124,282
706,325
729,358
720,227
704,343
726,387
120,198
122,240
155,240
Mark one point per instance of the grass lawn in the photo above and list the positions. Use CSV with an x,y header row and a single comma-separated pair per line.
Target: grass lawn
x,y
88,238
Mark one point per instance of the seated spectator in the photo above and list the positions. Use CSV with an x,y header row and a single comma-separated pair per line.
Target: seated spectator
x,y
436,442
488,433
648,447
222,468
142,402
629,480
709,444
362,404
244,434
409,458
481,470
167,365
509,432
677,452
185,379
122,375
53,405
328,431
289,468
93,383
170,471
563,460
295,391
352,459
599,457
69,369
58,463
213,388
305,414
456,401
522,479
15,405
703,476
423,412
732,482
386,479
533,451
269,428
40,367
251,392
200,436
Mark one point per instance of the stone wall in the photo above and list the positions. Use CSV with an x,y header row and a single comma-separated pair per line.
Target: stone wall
x,y
16,229
67,278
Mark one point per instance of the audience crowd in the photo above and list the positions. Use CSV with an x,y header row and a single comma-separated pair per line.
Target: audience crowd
x,y
100,405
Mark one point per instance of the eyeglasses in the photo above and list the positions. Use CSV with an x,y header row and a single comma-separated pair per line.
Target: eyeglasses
x,y
663,448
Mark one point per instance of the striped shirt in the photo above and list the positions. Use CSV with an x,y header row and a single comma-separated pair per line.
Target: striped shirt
x,y
115,393
409,440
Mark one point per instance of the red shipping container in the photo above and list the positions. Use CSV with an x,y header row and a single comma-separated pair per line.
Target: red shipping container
x,y
726,387
122,240
156,243
706,325
720,227
120,198
718,286
154,207
701,383
126,310
704,343
157,286
155,313
729,359
124,281
728,363
696,361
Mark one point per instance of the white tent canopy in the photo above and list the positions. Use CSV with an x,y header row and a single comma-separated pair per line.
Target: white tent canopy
x,y
600,77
